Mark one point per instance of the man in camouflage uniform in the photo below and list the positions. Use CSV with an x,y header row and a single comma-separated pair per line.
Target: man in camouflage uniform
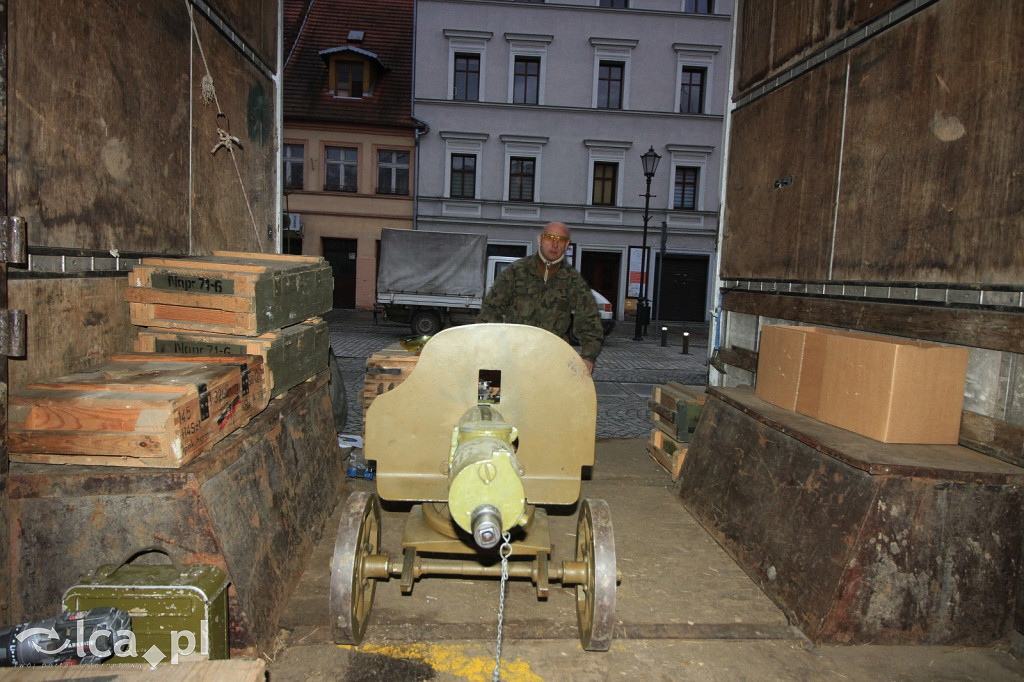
x,y
543,290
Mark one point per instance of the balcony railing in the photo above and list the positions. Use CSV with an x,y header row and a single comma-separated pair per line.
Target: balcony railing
x,y
339,188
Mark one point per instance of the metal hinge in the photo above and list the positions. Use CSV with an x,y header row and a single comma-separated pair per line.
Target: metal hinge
x,y
12,333
12,239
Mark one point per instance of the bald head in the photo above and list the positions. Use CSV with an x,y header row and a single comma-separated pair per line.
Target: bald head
x,y
558,228
553,241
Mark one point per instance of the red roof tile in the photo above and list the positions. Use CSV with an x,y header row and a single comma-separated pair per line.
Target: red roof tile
x,y
312,26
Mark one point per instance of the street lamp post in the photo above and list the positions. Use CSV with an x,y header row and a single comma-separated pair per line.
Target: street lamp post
x,y
650,160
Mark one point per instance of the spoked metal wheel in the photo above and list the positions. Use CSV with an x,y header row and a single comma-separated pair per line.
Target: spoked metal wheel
x,y
351,586
595,595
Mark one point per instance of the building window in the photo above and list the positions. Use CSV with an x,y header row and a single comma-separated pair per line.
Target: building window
x,y
610,78
614,4
527,80
684,194
699,6
526,67
467,78
611,72
341,165
521,174
689,174
293,160
349,78
467,62
392,172
691,90
463,176
605,177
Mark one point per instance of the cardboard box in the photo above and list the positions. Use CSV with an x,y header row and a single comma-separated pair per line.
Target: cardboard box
x,y
789,367
890,389
893,390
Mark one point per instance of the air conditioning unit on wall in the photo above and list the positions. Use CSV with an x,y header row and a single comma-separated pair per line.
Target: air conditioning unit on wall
x,y
292,222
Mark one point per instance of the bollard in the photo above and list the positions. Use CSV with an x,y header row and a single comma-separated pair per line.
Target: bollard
x,y
686,343
664,336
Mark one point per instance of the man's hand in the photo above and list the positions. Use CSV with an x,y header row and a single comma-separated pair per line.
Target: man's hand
x,y
589,364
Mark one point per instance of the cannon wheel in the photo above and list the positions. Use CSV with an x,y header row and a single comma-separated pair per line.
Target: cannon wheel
x,y
595,597
351,590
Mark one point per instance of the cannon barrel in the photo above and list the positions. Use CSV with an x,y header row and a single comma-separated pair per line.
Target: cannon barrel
x,y
485,486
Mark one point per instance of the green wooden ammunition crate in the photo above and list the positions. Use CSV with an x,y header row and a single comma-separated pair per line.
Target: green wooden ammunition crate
x,y
229,292
675,409
168,605
292,354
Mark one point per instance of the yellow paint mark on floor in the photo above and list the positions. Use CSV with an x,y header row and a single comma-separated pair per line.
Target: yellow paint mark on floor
x,y
454,660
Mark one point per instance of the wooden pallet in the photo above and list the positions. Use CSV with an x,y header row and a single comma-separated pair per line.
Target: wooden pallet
x,y
290,355
136,410
246,294
675,409
667,452
385,370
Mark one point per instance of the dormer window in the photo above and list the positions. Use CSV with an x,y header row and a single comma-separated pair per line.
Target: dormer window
x,y
349,77
353,71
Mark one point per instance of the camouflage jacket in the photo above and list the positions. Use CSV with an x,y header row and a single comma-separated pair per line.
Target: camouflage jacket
x,y
521,296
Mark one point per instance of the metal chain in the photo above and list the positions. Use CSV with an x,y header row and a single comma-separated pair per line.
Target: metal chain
x,y
505,550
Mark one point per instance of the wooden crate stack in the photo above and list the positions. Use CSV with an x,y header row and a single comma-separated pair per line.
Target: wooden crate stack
x,y
675,410
222,334
233,303
385,370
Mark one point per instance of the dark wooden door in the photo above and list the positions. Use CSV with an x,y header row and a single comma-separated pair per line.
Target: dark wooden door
x,y
684,289
341,254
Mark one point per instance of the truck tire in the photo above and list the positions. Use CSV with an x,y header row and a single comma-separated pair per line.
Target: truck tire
x,y
425,323
339,402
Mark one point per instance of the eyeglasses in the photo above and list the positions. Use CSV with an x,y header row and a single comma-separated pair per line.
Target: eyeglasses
x,y
556,238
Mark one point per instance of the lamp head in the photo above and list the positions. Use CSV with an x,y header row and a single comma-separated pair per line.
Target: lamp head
x,y
650,160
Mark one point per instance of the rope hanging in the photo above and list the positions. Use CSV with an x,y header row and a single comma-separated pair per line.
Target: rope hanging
x,y
225,140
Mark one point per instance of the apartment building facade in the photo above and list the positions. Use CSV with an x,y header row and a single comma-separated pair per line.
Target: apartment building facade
x,y
540,111
348,148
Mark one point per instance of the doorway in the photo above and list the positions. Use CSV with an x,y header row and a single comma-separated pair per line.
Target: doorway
x,y
341,254
684,289
601,270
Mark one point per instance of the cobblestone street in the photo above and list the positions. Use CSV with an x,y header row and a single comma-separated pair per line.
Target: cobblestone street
x,y
624,374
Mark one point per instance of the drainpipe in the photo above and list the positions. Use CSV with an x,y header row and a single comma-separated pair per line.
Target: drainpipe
x,y
278,246
422,127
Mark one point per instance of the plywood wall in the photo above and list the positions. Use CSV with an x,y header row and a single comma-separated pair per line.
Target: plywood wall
x,y
903,153
776,34
110,134
72,323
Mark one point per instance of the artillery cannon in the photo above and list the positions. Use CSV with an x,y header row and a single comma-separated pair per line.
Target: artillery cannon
x,y
494,422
